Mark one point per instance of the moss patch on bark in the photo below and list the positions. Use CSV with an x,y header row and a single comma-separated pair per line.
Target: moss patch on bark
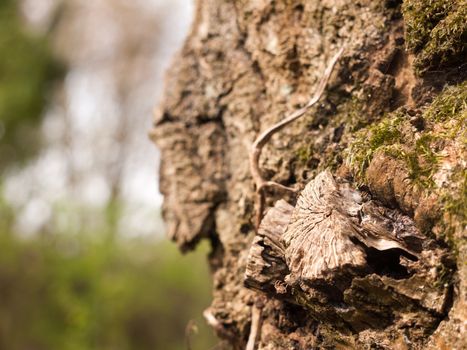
x,y
431,144
436,31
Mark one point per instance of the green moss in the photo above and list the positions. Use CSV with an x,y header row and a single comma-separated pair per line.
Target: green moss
x,y
424,160
454,204
383,135
436,30
422,153
452,103
353,114
304,154
420,18
394,136
359,111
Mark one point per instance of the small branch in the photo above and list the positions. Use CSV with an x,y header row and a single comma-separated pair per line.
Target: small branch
x,y
266,135
190,329
255,327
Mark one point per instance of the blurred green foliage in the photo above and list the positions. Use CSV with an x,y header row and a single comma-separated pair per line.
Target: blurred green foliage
x,y
97,291
77,286
27,68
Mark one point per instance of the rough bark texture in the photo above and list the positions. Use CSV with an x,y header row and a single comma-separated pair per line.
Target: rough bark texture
x,y
391,130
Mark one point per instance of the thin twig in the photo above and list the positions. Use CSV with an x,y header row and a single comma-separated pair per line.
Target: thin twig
x,y
255,327
265,136
190,329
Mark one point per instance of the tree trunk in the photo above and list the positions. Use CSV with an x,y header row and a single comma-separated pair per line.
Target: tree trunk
x,y
370,251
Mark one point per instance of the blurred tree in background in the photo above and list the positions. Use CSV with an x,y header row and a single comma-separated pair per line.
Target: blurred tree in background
x,y
27,68
79,286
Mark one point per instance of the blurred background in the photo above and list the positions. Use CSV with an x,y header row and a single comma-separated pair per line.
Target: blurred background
x,y
83,260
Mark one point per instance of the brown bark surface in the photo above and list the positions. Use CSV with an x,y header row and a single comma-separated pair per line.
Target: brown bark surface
x,y
245,66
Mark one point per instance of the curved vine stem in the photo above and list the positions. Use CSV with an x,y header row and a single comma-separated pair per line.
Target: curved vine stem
x,y
265,136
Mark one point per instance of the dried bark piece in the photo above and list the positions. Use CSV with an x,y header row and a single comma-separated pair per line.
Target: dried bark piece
x,y
333,225
346,259
266,266
317,238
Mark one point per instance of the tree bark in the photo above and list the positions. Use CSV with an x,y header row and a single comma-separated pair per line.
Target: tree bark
x,y
371,253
